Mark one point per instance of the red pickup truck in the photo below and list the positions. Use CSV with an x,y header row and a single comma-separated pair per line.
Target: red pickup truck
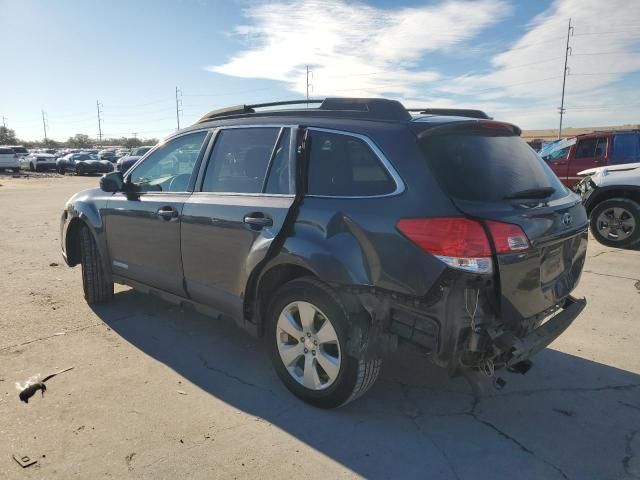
x,y
568,157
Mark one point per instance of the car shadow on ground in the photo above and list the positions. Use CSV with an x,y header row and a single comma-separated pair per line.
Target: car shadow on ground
x,y
567,418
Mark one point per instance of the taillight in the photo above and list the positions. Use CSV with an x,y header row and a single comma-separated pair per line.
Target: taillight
x,y
461,242
15,155
507,237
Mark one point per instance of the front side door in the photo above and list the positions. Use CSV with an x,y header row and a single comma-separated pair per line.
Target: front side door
x,y
242,198
143,225
589,152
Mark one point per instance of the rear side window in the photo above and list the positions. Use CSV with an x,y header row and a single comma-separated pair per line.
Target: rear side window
x,y
592,147
626,148
6,151
20,150
240,160
481,167
344,165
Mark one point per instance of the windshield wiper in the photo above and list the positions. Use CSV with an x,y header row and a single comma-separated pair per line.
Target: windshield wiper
x,y
543,192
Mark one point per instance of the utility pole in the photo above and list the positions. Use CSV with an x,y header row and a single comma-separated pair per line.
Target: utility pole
x,y
4,121
178,104
44,125
98,104
564,78
309,72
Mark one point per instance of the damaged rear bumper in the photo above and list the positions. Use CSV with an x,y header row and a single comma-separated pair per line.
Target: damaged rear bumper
x,y
514,349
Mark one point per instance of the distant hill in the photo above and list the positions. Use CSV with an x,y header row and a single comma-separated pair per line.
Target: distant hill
x,y
552,134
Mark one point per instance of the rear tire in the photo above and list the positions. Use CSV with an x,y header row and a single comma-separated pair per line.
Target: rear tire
x,y
96,283
608,229
351,376
61,169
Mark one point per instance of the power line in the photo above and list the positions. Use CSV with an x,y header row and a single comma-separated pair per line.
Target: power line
x,y
601,73
604,53
605,33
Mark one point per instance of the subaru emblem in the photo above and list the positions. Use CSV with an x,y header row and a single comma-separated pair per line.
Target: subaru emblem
x,y
566,219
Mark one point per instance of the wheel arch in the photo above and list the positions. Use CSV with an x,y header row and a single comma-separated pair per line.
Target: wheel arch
x,y
263,286
630,192
72,241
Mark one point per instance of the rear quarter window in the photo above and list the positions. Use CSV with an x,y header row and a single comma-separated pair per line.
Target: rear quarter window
x,y
6,151
486,167
626,148
345,165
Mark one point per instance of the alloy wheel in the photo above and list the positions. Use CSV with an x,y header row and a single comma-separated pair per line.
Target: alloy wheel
x,y
308,345
616,223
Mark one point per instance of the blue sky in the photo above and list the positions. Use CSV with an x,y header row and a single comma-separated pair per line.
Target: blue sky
x,y
500,55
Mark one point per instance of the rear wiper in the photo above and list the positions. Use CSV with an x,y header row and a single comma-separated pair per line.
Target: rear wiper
x,y
543,192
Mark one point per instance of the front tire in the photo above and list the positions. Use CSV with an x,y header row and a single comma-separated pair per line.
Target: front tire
x,y
616,222
96,283
307,333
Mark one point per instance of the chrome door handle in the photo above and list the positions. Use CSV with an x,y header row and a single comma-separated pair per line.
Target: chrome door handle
x,y
258,222
167,212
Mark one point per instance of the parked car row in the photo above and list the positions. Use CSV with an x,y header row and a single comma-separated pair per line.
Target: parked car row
x,y
80,161
570,156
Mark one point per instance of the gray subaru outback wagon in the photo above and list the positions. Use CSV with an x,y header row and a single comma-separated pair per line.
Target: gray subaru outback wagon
x,y
343,229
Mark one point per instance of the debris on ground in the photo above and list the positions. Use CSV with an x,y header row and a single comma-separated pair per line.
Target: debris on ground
x,y
31,386
24,460
53,264
181,392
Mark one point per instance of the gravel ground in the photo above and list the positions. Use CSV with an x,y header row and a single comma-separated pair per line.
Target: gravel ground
x,y
157,392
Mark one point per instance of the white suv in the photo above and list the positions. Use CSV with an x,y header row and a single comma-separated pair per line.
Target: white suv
x,y
9,159
611,196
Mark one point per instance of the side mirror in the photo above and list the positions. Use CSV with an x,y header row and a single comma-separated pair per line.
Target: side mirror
x,y
112,182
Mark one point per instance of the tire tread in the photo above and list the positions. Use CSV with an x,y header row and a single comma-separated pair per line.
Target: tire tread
x,y
98,288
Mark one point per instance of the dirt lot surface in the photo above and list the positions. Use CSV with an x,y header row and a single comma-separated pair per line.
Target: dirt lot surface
x,y
160,393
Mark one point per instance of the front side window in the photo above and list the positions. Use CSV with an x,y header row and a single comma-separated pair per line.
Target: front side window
x,y
169,168
240,160
344,165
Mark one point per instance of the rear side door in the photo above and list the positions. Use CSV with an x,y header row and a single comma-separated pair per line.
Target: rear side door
x,y
143,226
589,152
243,195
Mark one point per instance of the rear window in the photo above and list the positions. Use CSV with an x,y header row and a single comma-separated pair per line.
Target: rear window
x,y
481,167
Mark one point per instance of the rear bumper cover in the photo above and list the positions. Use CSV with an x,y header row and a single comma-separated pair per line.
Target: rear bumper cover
x,y
518,349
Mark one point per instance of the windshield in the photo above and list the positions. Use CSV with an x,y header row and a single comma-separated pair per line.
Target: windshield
x,y
140,151
488,167
557,150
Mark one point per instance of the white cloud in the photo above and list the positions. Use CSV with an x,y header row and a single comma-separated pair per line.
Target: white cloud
x,y
354,49
532,68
